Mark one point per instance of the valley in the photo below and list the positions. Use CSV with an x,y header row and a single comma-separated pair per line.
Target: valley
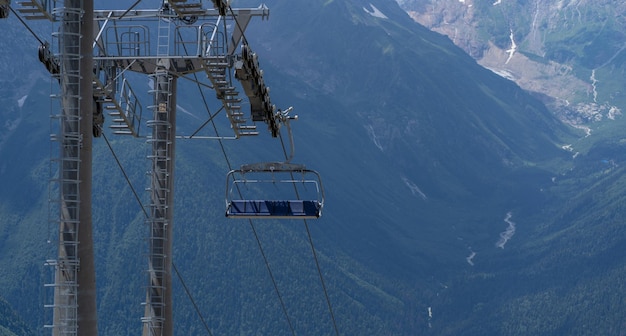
x,y
457,201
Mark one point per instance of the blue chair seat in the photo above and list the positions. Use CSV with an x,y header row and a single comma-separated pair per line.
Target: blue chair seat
x,y
273,209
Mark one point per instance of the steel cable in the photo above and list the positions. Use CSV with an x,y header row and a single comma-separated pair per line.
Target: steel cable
x,y
317,264
319,271
26,25
145,212
267,265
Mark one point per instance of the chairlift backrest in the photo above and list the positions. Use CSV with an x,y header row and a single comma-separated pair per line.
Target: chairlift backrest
x,y
296,192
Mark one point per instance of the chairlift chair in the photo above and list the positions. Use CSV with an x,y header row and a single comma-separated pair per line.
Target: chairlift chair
x,y
279,176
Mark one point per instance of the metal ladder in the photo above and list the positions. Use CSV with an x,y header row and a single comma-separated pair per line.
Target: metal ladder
x,y
162,165
215,69
163,37
123,105
64,187
36,9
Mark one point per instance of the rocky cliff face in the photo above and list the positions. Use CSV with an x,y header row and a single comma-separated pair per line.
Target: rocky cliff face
x,y
569,52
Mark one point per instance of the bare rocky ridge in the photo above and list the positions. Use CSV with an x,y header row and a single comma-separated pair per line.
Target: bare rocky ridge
x,y
540,54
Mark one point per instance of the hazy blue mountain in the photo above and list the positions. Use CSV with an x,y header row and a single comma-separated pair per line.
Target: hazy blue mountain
x,y
452,206
431,117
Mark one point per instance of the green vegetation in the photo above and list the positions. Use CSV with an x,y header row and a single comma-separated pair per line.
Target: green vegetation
x,y
10,322
423,154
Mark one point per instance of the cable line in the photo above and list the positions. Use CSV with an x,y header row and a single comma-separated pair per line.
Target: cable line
x,y
182,281
267,265
129,9
243,35
317,264
119,164
26,25
193,302
319,271
225,155
269,270
206,122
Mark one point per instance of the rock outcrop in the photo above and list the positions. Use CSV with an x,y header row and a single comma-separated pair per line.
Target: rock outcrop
x,y
567,52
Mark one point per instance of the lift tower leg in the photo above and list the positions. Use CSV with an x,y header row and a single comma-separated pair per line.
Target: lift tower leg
x,y
87,316
158,312
75,284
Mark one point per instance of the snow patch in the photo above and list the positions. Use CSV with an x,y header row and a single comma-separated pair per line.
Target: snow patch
x,y
568,148
587,129
508,233
415,190
497,2
594,81
613,111
20,102
471,257
375,12
11,125
513,48
370,131
503,73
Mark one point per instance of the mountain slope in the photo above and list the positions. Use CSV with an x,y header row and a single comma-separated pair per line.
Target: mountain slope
x,y
10,323
569,52
564,275
422,152
447,130
394,83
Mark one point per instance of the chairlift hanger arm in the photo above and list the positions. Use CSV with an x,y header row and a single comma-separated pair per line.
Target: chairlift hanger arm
x,y
268,167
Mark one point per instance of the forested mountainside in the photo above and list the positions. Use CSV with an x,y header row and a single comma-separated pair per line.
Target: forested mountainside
x,y
456,202
10,322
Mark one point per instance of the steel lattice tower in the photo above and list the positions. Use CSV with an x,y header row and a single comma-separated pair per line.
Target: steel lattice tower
x,y
91,75
74,281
